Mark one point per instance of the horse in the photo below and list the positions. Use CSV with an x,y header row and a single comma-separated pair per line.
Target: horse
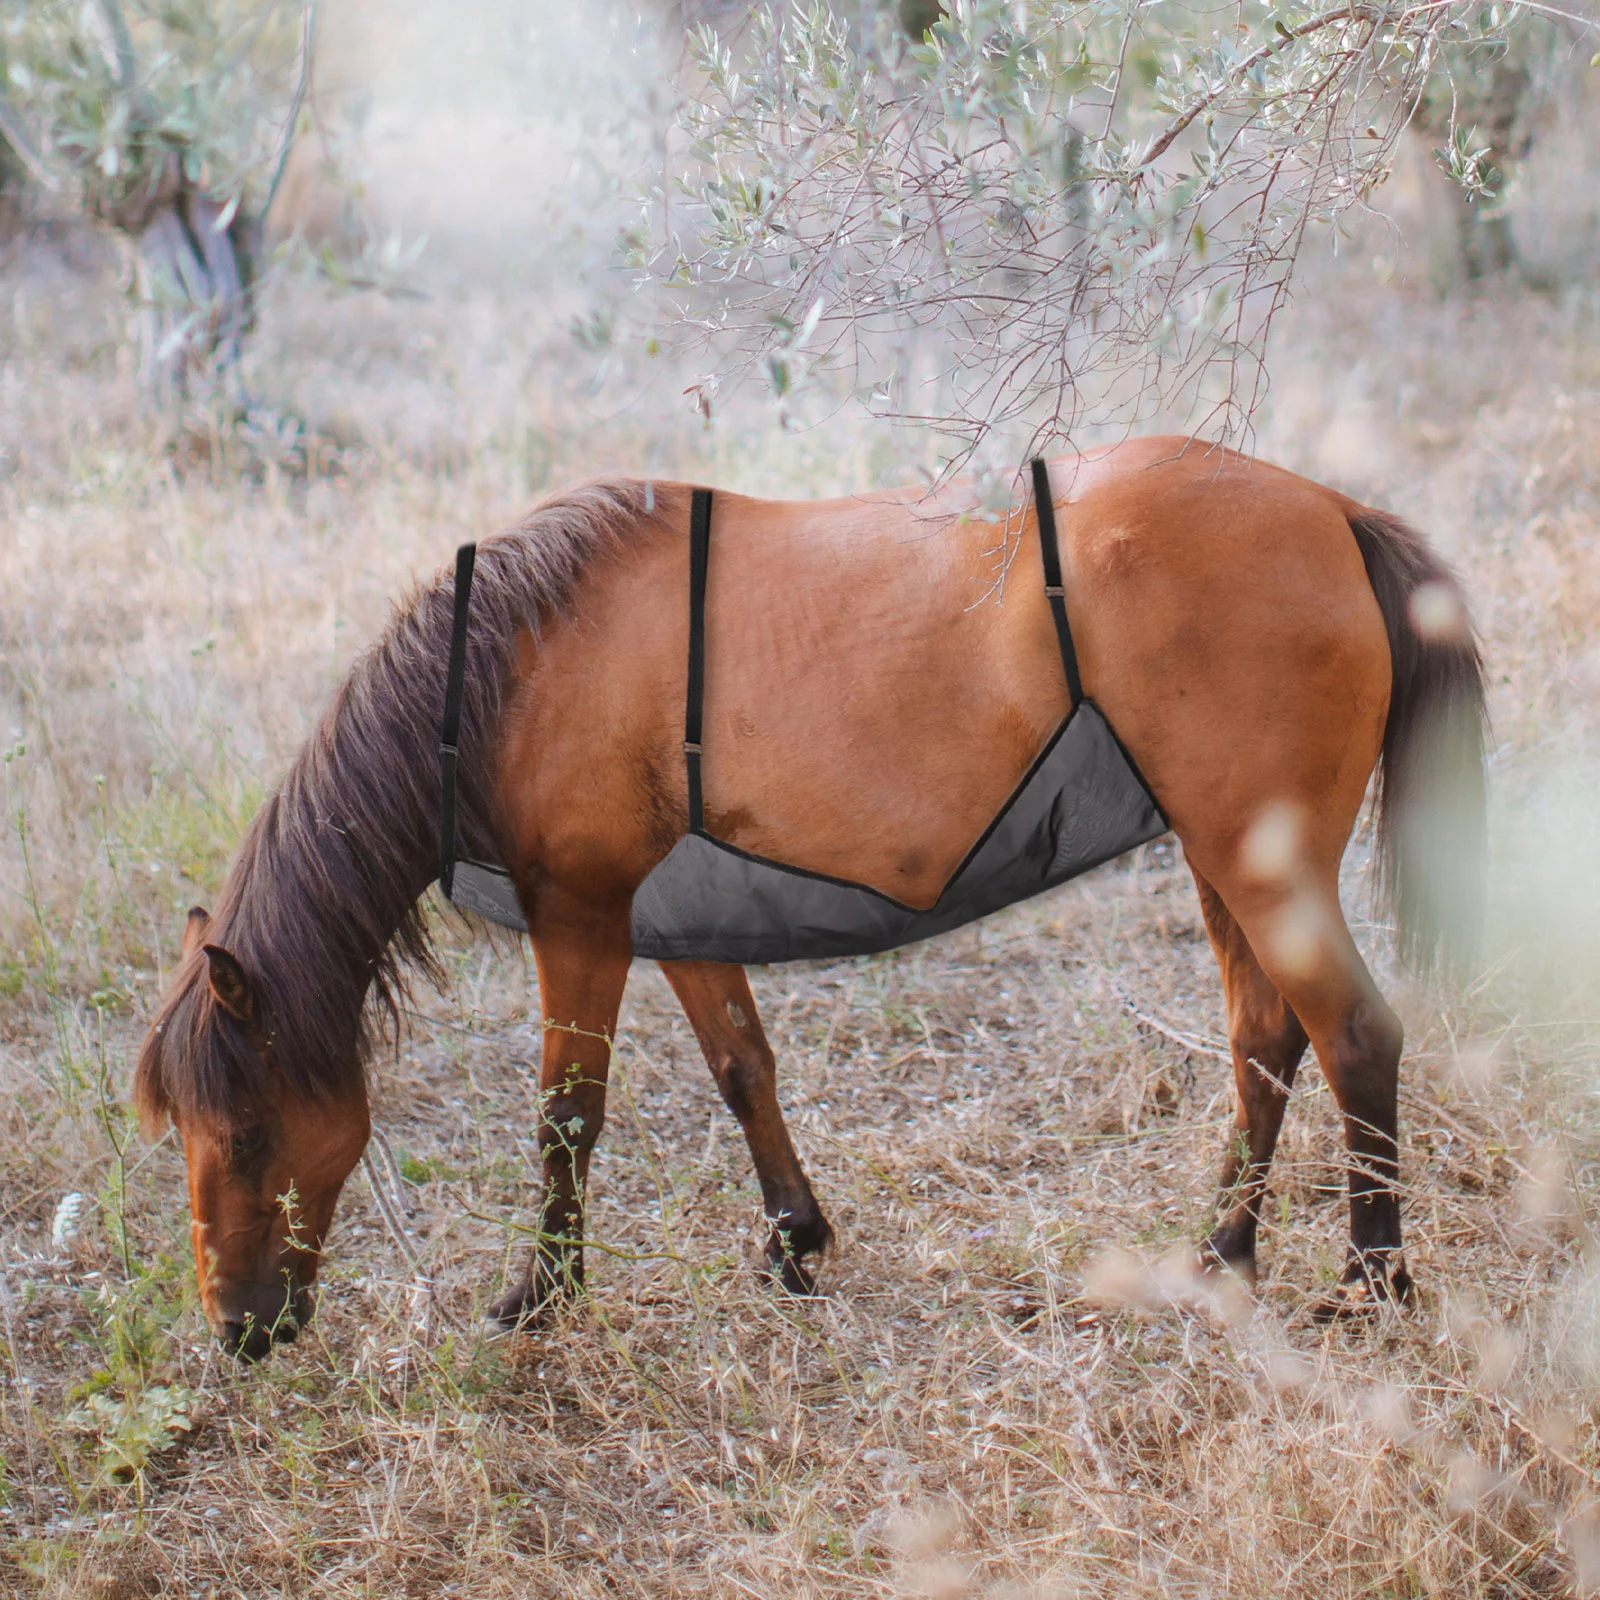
x,y
883,670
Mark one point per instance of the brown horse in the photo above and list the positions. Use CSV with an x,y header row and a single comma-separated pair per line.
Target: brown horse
x,y
883,669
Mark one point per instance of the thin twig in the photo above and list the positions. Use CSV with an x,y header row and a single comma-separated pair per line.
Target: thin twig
x,y
1189,1041
308,28
401,1191
422,1279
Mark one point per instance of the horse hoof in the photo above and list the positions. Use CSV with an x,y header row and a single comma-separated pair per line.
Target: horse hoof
x,y
1216,1261
1363,1291
791,1275
518,1311
531,1304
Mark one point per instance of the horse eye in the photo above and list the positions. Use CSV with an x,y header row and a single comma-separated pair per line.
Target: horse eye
x,y
245,1145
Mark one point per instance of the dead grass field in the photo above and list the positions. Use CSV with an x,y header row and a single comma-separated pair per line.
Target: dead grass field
x,y
986,1117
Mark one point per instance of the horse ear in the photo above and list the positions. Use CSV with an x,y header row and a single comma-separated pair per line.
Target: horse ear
x,y
194,930
229,984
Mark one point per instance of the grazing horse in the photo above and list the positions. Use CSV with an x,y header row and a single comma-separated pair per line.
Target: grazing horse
x,y
883,670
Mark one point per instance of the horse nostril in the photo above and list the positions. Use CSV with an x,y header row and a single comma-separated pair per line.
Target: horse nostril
x,y
265,1315
249,1341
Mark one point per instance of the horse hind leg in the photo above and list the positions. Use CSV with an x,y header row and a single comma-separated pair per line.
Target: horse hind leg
x,y
1297,932
718,1003
1266,1042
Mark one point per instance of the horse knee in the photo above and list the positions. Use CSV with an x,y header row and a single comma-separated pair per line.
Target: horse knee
x,y
746,1080
1270,1061
570,1123
1267,1030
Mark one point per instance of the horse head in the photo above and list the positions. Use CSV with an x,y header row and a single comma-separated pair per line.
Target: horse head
x,y
267,1157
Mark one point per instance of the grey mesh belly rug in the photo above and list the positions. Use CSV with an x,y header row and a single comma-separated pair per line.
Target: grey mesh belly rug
x,y
1081,803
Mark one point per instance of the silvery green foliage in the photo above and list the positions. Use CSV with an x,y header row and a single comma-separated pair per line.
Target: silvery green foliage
x,y
125,99
1482,115
1046,215
168,120
132,1430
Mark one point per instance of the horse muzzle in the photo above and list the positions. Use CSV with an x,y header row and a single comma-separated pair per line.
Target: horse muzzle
x,y
254,1319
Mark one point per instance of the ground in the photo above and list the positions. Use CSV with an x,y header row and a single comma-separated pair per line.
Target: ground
x,y
1004,1388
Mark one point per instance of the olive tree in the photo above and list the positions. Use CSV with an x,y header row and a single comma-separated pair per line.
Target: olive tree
x,y
1035,215
168,121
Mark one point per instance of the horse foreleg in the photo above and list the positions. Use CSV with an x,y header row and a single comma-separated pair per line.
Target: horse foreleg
x,y
721,1011
1266,1041
583,967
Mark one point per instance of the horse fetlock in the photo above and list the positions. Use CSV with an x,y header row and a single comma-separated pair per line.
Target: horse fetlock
x,y
557,1277
794,1236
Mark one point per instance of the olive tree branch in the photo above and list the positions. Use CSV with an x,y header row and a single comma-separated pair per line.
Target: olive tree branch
x,y
956,203
1163,141
307,51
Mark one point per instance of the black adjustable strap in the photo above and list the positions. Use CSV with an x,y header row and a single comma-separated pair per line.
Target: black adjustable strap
x,y
694,704
1046,510
450,731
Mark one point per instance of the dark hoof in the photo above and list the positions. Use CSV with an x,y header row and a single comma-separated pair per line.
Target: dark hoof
x,y
787,1249
790,1275
1363,1290
531,1303
519,1310
1217,1259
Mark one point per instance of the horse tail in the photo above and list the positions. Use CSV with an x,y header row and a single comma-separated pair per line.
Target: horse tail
x,y
1431,804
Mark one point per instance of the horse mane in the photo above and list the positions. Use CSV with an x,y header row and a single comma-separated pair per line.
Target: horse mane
x,y
322,904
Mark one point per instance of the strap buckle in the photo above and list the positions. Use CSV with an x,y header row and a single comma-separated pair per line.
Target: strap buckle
x,y
1054,591
690,748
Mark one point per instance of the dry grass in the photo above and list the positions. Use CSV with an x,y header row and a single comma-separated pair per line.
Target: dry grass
x,y
984,1117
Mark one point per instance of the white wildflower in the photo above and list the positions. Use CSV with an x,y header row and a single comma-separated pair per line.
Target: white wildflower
x,y
69,1219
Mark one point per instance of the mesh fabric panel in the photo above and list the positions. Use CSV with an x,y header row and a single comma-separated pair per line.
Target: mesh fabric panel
x,y
1080,805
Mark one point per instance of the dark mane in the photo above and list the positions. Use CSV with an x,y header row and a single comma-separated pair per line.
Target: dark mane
x,y
321,904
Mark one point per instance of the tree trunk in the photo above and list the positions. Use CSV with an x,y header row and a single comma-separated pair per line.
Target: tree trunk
x,y
1483,237
191,284
1496,112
